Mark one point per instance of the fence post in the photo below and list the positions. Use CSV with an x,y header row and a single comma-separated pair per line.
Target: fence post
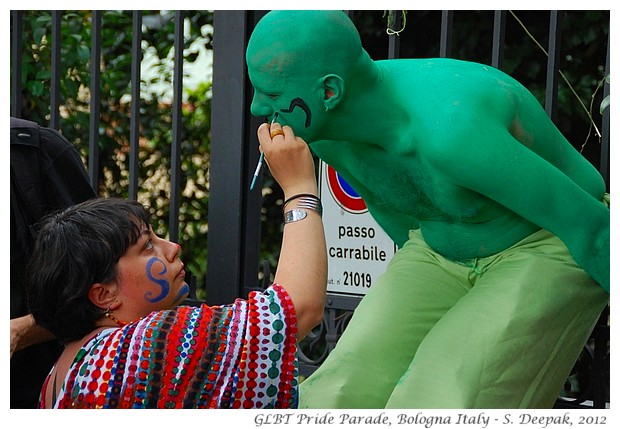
x,y
234,212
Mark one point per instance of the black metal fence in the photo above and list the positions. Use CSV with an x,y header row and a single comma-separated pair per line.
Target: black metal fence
x,y
234,211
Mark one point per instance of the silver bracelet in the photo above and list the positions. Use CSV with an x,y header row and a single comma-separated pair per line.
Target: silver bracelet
x,y
313,204
294,215
306,201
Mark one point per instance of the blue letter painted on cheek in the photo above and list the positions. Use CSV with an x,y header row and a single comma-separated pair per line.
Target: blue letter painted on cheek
x,y
163,283
183,293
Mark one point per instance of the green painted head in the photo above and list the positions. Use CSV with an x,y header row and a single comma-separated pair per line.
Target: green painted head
x,y
301,64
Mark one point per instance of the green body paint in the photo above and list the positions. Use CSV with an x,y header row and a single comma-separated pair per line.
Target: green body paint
x,y
457,150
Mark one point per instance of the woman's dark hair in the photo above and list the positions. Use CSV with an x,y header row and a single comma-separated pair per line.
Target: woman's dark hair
x,y
74,249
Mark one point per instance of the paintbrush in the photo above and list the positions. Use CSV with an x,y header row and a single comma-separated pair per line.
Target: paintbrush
x,y
261,159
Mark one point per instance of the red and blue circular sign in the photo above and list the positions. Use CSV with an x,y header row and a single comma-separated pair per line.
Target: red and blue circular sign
x,y
344,194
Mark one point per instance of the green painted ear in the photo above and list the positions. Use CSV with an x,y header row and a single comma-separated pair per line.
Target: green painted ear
x,y
332,90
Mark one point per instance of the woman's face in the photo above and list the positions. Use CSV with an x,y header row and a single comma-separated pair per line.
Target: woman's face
x,y
150,275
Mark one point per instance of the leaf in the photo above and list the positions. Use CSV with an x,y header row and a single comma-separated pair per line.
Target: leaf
x,y
36,88
43,74
83,53
38,34
604,103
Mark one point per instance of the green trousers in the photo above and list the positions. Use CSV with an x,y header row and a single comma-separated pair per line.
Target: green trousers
x,y
497,332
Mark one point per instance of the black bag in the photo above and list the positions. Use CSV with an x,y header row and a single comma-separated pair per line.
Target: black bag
x,y
47,174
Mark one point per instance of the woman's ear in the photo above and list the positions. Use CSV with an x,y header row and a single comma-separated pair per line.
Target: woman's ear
x,y
104,295
332,90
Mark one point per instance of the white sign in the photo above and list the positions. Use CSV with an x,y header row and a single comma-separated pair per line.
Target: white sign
x,y
358,250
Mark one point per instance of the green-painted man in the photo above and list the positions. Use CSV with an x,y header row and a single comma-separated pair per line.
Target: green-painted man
x,y
503,261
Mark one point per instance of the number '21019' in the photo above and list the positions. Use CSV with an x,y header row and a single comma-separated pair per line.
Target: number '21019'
x,y
353,278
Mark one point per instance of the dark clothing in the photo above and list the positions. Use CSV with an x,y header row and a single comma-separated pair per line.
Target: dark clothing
x,y
47,174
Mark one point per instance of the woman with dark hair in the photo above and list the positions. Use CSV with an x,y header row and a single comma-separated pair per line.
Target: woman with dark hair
x,y
110,289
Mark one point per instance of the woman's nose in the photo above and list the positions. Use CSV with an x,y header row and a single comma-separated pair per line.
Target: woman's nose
x,y
172,251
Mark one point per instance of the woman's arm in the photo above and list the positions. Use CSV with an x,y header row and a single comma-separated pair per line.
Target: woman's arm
x,y
302,267
25,332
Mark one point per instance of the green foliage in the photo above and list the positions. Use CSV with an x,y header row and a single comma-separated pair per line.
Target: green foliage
x,y
114,131
193,224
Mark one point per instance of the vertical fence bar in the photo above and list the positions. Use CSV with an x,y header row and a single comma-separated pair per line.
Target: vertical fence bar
x,y
393,38
499,32
553,64
602,331
134,131
604,166
17,51
445,42
177,126
95,99
227,183
599,374
251,226
55,77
